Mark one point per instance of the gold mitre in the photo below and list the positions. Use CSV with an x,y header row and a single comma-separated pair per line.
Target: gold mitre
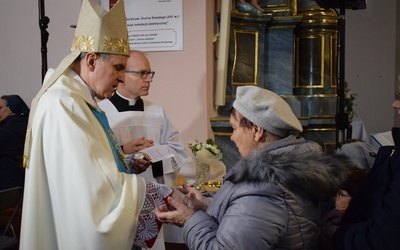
x,y
101,31
97,30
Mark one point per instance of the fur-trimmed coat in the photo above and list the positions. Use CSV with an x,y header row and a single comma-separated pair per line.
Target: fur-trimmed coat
x,y
268,202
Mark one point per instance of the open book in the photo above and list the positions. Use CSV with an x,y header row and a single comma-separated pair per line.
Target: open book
x,y
383,139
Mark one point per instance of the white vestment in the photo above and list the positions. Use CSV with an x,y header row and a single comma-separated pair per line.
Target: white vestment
x,y
75,197
153,124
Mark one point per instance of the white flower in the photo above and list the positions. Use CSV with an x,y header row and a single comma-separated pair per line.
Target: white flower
x,y
213,149
209,145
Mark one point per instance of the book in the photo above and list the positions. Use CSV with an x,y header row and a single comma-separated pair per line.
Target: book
x,y
383,139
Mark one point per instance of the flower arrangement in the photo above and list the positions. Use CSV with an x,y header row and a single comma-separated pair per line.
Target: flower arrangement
x,y
206,152
209,145
349,98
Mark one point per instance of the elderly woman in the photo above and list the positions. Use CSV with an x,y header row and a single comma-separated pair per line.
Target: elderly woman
x,y
270,198
13,121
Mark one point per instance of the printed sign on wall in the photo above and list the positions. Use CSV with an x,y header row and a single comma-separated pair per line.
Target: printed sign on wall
x,y
153,25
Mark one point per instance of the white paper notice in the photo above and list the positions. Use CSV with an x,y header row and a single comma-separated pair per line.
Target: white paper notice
x,y
154,25
157,153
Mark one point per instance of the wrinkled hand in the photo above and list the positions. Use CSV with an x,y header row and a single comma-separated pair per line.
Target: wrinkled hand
x,y
199,201
140,165
179,216
136,145
179,194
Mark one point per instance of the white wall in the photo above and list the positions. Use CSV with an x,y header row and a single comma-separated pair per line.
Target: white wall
x,y
183,82
370,62
183,79
20,67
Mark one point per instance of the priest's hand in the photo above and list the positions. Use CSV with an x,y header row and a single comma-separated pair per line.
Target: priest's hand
x,y
140,165
136,145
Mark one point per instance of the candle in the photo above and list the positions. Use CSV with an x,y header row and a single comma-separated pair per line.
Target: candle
x,y
224,31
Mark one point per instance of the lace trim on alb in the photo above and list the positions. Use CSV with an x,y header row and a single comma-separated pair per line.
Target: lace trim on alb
x,y
147,224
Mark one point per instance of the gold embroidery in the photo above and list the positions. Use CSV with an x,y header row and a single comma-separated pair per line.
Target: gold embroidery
x,y
112,135
83,43
27,146
25,161
75,43
123,44
87,43
111,44
117,147
116,44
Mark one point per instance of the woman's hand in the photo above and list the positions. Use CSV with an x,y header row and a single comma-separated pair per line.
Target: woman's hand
x,y
179,216
197,199
180,194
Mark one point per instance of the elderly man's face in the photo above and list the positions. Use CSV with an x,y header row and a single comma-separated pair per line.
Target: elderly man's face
x,y
242,137
107,74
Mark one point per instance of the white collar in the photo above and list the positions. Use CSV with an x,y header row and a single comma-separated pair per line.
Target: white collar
x,y
132,102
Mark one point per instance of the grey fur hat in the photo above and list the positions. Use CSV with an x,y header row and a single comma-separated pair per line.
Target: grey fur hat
x,y
267,110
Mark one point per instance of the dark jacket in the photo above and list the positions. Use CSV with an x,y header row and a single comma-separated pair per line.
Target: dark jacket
x,y
268,202
372,219
12,138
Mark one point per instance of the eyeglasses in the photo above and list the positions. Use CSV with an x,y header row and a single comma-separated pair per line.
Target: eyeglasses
x,y
343,194
143,73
